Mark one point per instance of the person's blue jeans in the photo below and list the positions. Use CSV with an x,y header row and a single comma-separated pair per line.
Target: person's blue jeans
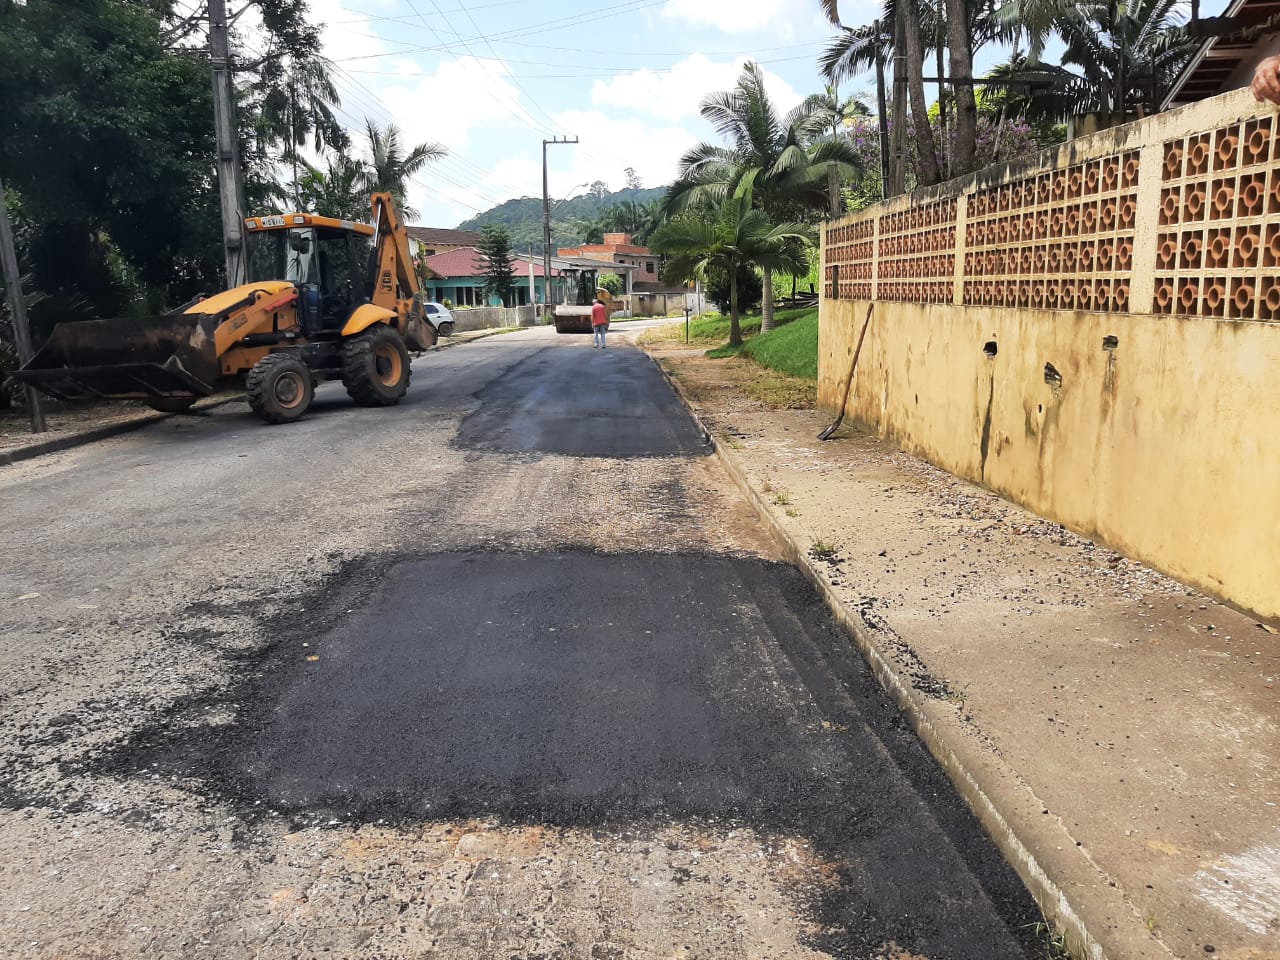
x,y
597,335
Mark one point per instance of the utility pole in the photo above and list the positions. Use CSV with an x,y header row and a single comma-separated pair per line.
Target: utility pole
x,y
883,111
546,226
230,191
17,309
898,181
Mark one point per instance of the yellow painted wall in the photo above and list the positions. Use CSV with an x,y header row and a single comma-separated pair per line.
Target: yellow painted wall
x,y
1166,448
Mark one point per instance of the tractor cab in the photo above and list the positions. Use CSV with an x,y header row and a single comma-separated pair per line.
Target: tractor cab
x,y
328,260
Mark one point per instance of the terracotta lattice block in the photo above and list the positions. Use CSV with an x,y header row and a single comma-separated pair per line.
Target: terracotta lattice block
x,y
1248,244
1258,141
1243,302
1188,300
1129,170
1213,296
1222,202
1269,299
1197,156
1226,149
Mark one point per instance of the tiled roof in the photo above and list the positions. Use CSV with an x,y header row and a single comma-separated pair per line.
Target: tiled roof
x,y
1224,62
430,235
466,262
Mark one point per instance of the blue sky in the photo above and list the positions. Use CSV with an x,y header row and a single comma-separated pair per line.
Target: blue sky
x,y
491,79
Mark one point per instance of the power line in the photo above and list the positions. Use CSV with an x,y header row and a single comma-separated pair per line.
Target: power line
x,y
478,6
567,76
469,169
481,172
560,23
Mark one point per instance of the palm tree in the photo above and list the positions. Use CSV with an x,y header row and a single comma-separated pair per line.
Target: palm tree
x,y
336,191
856,49
727,235
298,98
389,168
788,167
1117,56
829,111
960,56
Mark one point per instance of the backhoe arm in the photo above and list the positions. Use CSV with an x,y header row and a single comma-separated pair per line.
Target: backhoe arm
x,y
394,279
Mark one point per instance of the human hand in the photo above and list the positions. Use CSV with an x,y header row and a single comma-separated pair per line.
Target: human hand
x,y
1266,80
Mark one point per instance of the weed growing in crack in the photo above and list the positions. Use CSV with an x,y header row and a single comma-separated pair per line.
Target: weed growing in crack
x,y
1052,943
826,552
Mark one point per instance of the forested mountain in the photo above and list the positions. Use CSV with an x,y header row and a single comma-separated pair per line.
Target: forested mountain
x,y
571,220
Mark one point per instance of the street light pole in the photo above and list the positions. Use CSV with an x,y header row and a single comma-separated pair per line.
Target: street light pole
x,y
17,309
546,226
230,190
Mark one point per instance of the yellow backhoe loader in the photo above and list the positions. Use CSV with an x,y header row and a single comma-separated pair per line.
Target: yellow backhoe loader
x,y
326,299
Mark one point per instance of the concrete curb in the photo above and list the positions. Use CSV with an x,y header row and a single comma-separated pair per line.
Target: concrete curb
x,y
1086,905
85,437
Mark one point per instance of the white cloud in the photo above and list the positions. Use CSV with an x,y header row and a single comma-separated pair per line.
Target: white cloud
x,y
446,105
777,17
676,93
610,144
346,34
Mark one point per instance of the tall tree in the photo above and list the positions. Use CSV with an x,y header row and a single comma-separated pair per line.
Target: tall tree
x,y
858,48
495,256
960,50
830,112
855,49
787,166
105,134
390,167
726,235
296,101
1117,56
336,191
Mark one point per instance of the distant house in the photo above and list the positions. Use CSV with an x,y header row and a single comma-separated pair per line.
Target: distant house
x,y
458,275
618,249
428,241
1247,32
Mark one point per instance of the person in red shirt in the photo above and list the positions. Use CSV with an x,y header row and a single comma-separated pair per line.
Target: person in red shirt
x,y
599,323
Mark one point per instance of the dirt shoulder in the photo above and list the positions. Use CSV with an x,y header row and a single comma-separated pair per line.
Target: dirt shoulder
x,y
1123,726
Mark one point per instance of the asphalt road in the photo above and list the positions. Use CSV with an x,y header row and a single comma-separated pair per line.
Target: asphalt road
x,y
507,670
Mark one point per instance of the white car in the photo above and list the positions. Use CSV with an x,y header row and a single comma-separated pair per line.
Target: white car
x,y
440,318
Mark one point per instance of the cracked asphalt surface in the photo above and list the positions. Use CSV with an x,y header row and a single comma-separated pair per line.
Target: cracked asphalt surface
x,y
509,670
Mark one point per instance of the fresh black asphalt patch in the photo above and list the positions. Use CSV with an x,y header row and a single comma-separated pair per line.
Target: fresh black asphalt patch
x,y
579,689
573,400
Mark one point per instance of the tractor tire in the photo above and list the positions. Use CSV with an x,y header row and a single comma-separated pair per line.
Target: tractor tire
x,y
375,367
280,388
171,404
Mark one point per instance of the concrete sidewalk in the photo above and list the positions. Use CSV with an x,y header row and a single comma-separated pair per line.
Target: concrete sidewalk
x,y
1115,731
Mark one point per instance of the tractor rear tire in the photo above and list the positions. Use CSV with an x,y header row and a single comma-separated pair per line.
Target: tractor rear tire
x,y
280,388
171,404
375,367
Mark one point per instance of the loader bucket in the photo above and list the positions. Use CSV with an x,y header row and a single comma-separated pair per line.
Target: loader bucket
x,y
169,356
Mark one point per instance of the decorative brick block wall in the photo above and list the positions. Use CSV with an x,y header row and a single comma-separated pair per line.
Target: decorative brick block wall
x,y
1093,333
